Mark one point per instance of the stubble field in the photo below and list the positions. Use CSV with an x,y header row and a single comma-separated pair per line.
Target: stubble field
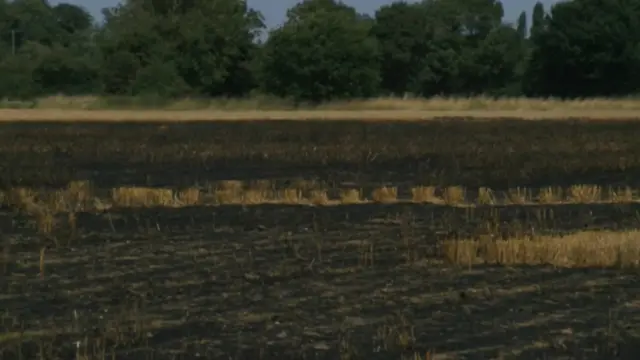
x,y
443,239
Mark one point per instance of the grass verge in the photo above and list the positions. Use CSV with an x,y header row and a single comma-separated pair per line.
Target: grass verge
x,y
164,116
271,103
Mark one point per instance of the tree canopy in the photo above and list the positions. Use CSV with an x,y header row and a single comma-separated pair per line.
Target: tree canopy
x,y
325,50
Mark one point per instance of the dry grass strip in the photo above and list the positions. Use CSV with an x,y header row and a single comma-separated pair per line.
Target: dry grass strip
x,y
319,197
584,249
248,197
168,116
518,196
621,194
142,197
291,196
436,103
80,196
486,196
485,103
585,194
454,195
549,195
385,195
424,194
350,196
189,197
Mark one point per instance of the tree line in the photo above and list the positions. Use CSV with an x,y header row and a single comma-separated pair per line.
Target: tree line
x,y
325,50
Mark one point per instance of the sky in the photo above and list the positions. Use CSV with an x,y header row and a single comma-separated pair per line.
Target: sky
x,y
274,10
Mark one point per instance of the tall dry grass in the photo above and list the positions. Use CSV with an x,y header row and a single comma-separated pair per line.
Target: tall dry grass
x,y
350,196
486,196
424,194
583,249
436,103
62,108
485,103
585,194
385,195
142,197
80,196
549,195
518,196
454,195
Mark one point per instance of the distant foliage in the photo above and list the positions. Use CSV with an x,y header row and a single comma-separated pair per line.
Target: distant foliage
x,y
322,52
325,50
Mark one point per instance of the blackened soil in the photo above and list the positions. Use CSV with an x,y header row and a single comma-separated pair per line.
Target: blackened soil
x,y
497,154
307,283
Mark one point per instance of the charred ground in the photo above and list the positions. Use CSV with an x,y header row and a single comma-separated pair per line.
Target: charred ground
x,y
471,153
327,282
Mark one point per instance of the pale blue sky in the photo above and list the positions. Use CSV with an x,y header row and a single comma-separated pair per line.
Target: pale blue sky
x,y
274,10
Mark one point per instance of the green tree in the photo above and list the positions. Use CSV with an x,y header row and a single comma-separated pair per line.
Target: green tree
x,y
118,72
34,20
537,18
60,70
470,50
72,18
159,79
6,25
404,37
52,47
587,48
210,55
128,42
322,52
16,73
493,65
522,25
217,49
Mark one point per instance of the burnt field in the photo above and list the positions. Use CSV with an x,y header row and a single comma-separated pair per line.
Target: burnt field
x,y
496,154
209,240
